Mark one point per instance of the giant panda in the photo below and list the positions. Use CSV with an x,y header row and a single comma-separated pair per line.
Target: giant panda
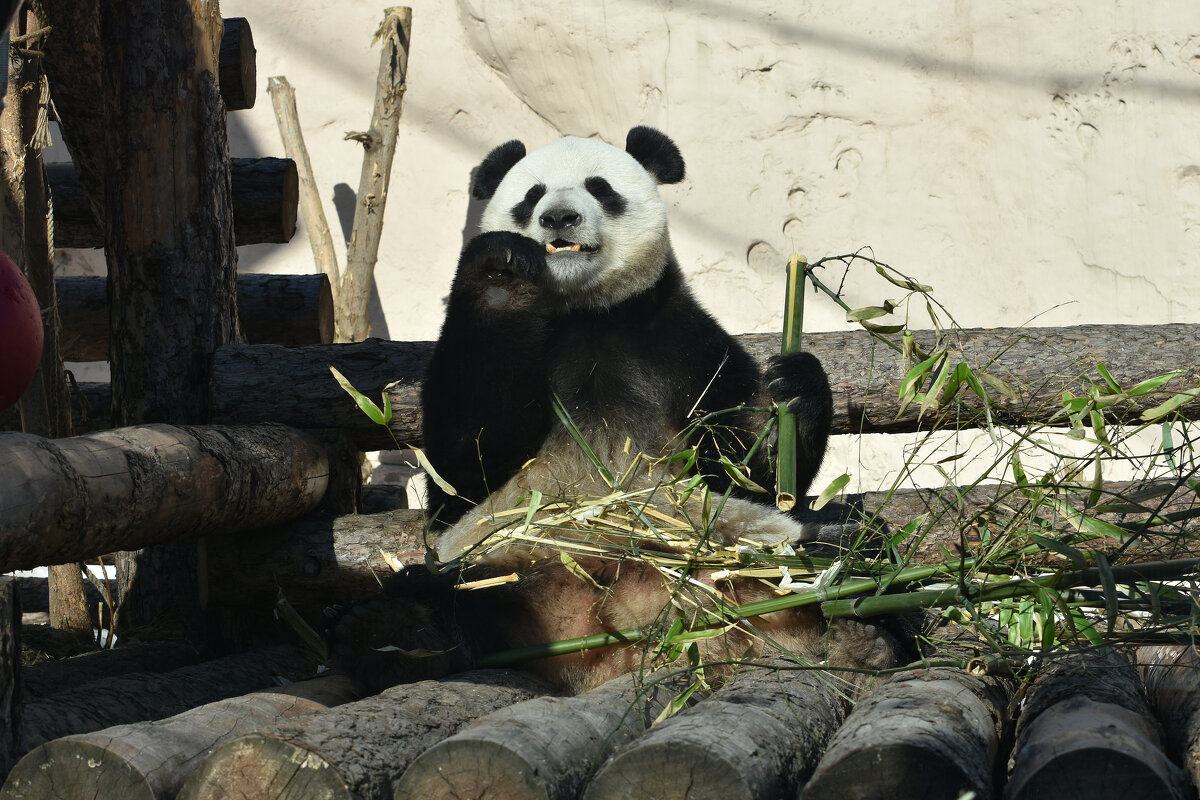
x,y
571,290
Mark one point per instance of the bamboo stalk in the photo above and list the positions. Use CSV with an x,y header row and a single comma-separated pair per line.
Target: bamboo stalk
x,y
793,326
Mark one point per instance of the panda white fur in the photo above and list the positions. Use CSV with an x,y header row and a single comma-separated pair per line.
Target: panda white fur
x,y
572,290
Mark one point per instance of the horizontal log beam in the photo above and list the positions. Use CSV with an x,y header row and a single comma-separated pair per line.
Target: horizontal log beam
x,y
265,193
319,558
293,385
274,309
64,500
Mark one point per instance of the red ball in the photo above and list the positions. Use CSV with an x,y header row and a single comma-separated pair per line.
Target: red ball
x,y
20,333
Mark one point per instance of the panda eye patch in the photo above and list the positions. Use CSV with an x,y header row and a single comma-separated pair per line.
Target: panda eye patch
x,y
612,202
522,212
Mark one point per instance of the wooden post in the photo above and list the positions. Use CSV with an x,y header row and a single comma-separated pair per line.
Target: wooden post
x,y
169,245
379,146
10,673
46,408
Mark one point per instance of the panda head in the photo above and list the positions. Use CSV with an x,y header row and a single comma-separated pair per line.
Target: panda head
x,y
594,207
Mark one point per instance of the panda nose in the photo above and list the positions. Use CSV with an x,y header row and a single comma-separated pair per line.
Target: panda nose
x,y
557,219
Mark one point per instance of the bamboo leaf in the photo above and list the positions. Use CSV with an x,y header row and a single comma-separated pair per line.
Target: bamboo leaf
x,y
739,474
869,312
1113,386
902,282
579,572
369,408
884,329
1151,384
829,492
423,463
913,378
1160,411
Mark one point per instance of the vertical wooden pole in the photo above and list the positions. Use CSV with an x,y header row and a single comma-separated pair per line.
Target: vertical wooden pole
x,y
25,235
169,245
10,674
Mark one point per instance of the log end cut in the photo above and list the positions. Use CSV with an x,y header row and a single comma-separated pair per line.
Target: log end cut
x,y
471,768
60,770
896,770
259,766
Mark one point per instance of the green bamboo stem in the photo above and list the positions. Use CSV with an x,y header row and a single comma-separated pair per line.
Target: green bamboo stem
x,y
793,324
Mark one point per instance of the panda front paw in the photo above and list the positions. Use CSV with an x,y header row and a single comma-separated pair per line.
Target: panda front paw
x,y
799,381
498,256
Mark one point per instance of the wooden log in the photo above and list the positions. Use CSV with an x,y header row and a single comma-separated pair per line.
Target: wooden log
x,y
1085,730
238,73
759,736
73,499
924,733
265,192
546,747
1173,689
316,558
91,409
292,386
144,696
10,674
151,760
48,678
274,309
379,147
357,750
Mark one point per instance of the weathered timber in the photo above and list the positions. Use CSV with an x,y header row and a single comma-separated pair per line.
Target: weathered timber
x,y
10,673
1171,676
48,678
547,747
318,558
924,733
255,383
1085,730
379,147
144,696
274,309
72,499
264,199
238,73
151,760
358,750
315,559
757,737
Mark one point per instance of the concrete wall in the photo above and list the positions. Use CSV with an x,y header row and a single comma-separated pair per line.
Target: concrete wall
x,y
1026,159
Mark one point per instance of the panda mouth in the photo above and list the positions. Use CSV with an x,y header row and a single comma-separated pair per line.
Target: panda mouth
x,y
559,245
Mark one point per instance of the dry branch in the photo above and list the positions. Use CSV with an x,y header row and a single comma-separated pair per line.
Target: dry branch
x,y
283,99
379,147
274,309
546,748
151,760
265,192
72,499
357,750
926,733
758,737
1085,730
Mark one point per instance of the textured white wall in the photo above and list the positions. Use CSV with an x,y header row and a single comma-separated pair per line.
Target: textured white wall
x,y
1020,157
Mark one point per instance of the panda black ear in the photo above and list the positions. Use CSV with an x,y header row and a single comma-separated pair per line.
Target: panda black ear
x,y
656,152
495,166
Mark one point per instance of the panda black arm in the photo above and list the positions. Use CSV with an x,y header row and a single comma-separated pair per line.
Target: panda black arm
x,y
485,400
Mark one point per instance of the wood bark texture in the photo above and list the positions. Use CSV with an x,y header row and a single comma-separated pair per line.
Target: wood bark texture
x,y
239,69
379,148
757,737
72,499
143,696
548,747
1085,730
151,760
358,750
91,409
1171,676
264,194
253,383
48,678
10,674
274,309
926,733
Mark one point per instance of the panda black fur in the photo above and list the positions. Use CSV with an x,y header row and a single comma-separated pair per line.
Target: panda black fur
x,y
572,290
